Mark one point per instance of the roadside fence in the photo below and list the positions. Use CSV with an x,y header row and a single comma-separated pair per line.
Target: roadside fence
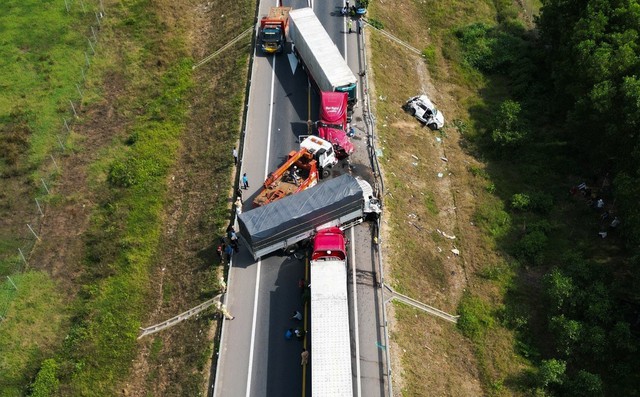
x,y
93,13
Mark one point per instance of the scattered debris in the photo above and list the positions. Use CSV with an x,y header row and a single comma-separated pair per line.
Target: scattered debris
x,y
438,139
414,164
455,251
415,157
413,216
444,159
446,235
439,249
440,174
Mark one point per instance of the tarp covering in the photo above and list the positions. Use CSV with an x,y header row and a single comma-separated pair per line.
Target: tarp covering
x,y
302,212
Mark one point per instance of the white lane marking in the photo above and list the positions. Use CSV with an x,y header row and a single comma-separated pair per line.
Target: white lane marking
x,y
253,329
255,299
355,312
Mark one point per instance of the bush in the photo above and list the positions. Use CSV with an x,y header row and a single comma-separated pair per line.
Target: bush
x,y
531,247
121,174
520,201
541,203
375,23
551,372
475,317
46,382
510,131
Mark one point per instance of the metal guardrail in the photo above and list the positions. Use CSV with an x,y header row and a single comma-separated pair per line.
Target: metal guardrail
x,y
224,47
180,317
394,38
422,306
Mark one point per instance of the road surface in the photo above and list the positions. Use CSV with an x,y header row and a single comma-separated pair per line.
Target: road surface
x,y
255,359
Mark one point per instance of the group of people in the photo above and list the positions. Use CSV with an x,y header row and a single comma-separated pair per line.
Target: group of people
x,y
608,220
299,334
228,245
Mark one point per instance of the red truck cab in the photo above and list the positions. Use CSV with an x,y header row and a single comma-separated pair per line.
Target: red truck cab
x,y
333,122
329,243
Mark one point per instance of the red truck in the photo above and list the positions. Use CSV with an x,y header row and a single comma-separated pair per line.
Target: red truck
x,y
272,36
333,124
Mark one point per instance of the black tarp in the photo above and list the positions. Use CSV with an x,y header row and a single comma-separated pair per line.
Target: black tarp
x,y
301,212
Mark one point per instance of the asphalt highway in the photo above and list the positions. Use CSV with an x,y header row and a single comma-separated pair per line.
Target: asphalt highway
x,y
254,358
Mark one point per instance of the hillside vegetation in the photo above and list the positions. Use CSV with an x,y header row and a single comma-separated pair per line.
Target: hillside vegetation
x,y
545,284
140,193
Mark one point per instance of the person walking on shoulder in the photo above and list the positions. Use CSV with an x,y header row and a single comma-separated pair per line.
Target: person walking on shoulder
x,y
235,156
350,25
245,181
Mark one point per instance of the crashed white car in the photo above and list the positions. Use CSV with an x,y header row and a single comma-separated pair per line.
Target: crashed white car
x,y
422,108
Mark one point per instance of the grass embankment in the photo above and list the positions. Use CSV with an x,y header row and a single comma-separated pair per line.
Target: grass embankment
x,y
41,58
129,181
126,227
423,206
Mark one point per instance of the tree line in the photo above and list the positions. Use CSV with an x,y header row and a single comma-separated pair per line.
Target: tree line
x,y
569,111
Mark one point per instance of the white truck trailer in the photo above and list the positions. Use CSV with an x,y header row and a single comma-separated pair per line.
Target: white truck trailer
x,y
331,374
283,224
319,55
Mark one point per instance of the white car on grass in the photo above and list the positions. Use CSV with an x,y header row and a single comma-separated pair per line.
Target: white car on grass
x,y
423,109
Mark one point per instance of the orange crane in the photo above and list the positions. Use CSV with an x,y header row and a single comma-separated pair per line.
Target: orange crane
x,y
299,172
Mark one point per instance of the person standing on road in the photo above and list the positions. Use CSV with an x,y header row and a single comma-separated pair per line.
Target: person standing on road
x,y
228,249
223,309
304,357
360,24
350,25
245,181
238,204
235,156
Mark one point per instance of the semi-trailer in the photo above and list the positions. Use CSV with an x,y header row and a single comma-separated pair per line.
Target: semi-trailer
x,y
287,223
320,57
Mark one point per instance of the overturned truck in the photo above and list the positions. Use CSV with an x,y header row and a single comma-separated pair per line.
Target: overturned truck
x,y
284,224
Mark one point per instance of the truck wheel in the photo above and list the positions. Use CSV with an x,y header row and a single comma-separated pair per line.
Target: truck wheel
x,y
412,111
432,126
290,249
325,173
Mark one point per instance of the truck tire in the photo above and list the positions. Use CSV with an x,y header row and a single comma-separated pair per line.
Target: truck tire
x,y
412,111
432,126
324,173
291,249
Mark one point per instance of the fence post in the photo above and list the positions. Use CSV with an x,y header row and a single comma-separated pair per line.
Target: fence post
x,y
34,233
39,209
73,108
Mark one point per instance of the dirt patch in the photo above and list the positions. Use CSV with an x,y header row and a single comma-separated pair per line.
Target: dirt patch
x,y
61,249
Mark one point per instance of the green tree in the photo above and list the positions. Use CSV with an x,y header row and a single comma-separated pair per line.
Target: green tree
x,y
509,131
551,372
567,334
559,289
